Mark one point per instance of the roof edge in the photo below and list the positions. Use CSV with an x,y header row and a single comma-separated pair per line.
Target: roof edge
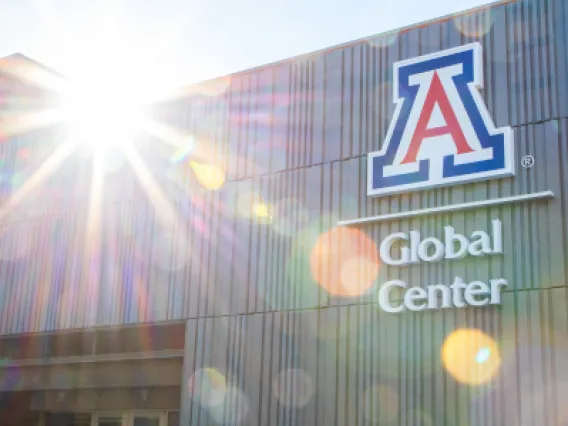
x,y
31,61
353,42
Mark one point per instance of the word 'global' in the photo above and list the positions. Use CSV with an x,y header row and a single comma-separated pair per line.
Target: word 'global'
x,y
400,249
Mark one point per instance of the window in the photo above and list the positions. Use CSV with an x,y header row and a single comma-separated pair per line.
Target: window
x,y
173,418
67,419
141,339
110,421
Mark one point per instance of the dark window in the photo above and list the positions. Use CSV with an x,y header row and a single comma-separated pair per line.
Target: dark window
x,y
173,418
24,347
69,344
124,340
68,419
141,339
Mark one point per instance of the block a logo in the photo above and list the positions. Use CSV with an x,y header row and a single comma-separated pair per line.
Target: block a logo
x,y
441,132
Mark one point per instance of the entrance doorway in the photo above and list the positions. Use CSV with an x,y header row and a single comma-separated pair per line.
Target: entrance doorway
x,y
116,418
67,419
130,418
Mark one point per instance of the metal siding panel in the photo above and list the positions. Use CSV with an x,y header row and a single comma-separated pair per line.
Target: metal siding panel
x,y
252,124
317,100
263,282
280,291
263,108
193,285
333,105
240,272
331,269
5,298
305,117
333,108
562,128
16,313
131,269
254,302
246,148
312,293
293,144
207,295
22,279
212,284
281,118
157,235
341,408
498,93
252,373
309,319
560,25
234,128
290,183
61,249
347,104
220,239
327,369
559,329
356,107
37,275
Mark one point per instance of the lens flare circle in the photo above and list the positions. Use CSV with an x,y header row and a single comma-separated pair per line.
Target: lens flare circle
x,y
380,404
247,203
290,216
293,388
420,418
474,25
383,41
234,408
344,262
208,387
471,356
209,176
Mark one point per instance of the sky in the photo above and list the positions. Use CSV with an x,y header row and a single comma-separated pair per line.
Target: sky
x,y
184,41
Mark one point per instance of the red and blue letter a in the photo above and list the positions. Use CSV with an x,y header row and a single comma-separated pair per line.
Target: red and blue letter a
x,y
441,132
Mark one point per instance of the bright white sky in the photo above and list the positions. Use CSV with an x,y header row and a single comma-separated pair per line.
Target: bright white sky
x,y
191,40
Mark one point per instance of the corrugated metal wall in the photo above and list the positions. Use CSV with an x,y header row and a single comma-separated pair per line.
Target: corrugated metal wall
x,y
355,365
293,136
292,141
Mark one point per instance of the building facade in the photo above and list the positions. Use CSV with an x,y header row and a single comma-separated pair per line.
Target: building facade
x,y
370,234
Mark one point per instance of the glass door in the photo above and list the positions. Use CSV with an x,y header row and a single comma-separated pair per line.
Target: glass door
x,y
130,418
148,418
109,419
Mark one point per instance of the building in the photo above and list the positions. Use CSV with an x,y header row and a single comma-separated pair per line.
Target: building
x,y
274,278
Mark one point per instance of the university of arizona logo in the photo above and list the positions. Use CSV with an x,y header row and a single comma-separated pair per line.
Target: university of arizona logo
x,y
441,132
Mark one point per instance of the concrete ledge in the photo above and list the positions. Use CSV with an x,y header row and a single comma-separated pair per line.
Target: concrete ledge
x,y
448,208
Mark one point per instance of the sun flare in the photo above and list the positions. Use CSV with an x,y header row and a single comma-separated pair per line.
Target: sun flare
x,y
105,115
110,87
106,109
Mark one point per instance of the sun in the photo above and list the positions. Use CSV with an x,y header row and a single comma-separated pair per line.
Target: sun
x,y
111,84
106,107
104,99
101,115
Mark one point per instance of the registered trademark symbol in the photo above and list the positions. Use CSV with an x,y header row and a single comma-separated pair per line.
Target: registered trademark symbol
x,y
527,161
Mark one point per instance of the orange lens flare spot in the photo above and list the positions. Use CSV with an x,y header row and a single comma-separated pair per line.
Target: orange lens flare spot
x,y
210,177
471,356
344,262
357,275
